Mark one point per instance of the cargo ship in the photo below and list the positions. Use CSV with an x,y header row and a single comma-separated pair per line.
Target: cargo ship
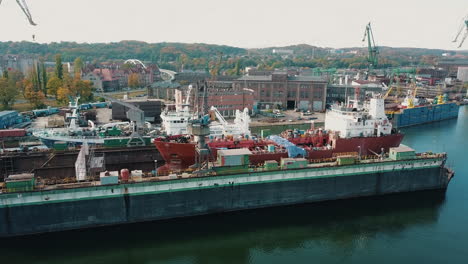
x,y
411,113
349,128
231,183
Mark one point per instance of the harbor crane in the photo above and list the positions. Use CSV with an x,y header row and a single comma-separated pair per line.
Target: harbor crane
x,y
24,7
372,48
463,27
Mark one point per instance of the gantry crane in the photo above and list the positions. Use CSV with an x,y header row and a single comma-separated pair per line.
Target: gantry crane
x,y
463,26
372,48
24,7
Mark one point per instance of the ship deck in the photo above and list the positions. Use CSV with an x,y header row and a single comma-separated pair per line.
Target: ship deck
x,y
365,160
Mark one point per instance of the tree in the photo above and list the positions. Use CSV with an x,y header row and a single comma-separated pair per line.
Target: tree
x,y
53,85
8,93
78,66
36,98
82,88
133,80
62,94
44,78
32,89
58,66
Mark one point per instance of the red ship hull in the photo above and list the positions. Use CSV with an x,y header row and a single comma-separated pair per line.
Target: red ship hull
x,y
182,155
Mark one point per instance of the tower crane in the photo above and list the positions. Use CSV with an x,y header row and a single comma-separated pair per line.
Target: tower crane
x,y
24,7
372,48
463,26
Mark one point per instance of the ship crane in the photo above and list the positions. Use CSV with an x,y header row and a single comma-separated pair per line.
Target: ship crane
x,y
372,48
219,116
24,7
463,26
134,114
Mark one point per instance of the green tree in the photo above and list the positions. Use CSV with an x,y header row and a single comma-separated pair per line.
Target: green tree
x,y
53,85
8,93
58,66
44,78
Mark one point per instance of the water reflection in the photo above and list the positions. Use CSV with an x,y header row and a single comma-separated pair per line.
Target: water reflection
x,y
339,227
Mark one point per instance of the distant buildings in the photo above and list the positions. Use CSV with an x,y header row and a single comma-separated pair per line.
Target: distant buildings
x,y
20,63
279,89
114,77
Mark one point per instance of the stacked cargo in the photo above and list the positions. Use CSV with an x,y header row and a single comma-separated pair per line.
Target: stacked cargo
x,y
12,133
20,182
8,118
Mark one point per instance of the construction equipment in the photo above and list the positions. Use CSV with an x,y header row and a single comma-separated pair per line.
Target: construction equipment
x,y
463,26
135,115
24,7
372,48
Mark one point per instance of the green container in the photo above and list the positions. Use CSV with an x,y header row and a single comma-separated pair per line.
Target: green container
x,y
231,169
60,145
271,165
293,163
20,185
346,160
402,153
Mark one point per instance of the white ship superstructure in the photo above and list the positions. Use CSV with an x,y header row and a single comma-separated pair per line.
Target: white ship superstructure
x,y
359,122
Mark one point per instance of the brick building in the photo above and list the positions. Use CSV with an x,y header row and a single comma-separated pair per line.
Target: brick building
x,y
222,95
285,91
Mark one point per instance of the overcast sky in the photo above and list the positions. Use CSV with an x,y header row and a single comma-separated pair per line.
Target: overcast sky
x,y
241,23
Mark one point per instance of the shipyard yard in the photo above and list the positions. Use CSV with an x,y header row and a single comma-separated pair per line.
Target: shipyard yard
x,y
332,136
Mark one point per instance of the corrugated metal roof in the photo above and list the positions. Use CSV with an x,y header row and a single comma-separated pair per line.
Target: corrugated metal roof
x,y
234,152
307,78
255,78
4,113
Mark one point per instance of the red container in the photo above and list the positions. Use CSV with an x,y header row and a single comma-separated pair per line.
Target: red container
x,y
12,133
124,175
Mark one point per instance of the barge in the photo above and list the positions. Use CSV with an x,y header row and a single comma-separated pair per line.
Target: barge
x,y
229,184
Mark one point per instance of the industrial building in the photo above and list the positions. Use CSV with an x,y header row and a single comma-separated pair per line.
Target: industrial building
x,y
151,107
280,90
339,93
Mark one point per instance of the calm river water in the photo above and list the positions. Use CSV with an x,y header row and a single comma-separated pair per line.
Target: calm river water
x,y
427,227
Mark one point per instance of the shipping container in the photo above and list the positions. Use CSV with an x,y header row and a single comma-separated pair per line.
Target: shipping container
x,y
12,133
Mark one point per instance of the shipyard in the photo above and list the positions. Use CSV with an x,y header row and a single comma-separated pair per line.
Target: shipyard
x,y
281,141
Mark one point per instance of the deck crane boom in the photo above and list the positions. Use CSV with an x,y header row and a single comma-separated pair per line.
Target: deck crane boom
x,y
463,26
372,48
24,7
135,115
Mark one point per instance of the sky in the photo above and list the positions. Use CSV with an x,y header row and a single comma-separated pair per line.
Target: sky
x,y
240,23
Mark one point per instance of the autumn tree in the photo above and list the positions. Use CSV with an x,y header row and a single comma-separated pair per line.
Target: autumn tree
x,y
53,85
78,66
133,80
32,89
58,66
62,94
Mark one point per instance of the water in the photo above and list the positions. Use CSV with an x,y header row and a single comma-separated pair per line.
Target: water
x,y
427,227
